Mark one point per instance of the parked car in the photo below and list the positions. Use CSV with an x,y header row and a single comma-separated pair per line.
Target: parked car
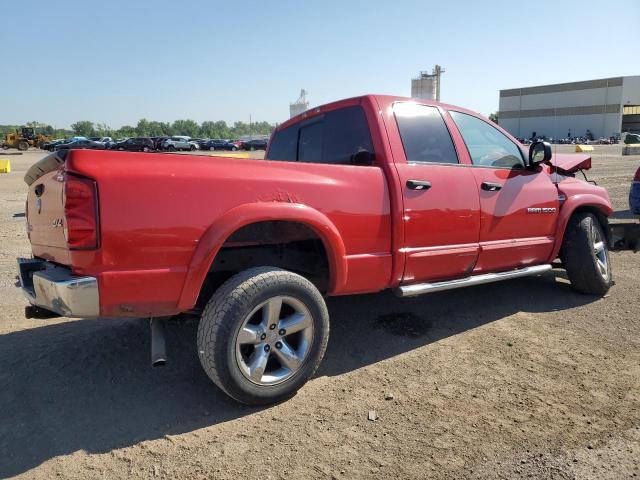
x,y
199,141
50,145
137,144
179,143
634,194
80,144
218,145
255,144
410,195
157,142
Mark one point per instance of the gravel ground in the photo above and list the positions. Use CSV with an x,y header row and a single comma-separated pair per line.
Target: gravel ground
x,y
521,379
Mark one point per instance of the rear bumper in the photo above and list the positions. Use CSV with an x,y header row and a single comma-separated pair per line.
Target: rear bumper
x,y
54,288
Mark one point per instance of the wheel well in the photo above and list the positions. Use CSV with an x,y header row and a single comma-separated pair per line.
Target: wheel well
x,y
602,218
292,246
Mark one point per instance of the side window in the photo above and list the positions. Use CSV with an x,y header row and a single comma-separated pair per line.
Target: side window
x,y
310,142
339,137
284,145
487,145
424,134
347,135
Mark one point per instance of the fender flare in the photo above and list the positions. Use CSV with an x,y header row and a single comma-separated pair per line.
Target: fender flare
x,y
214,237
569,207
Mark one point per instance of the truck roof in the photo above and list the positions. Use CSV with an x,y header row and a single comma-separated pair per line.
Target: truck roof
x,y
376,98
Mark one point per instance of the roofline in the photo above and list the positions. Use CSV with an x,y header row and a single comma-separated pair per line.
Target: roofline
x,y
557,87
358,100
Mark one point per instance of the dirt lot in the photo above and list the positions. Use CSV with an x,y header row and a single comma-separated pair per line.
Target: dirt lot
x,y
512,380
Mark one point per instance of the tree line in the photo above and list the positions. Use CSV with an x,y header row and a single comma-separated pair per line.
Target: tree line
x,y
150,128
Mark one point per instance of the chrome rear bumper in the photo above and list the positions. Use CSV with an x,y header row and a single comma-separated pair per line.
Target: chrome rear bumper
x,y
54,288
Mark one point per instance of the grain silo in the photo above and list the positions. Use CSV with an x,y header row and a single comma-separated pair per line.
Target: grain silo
x,y
427,85
300,105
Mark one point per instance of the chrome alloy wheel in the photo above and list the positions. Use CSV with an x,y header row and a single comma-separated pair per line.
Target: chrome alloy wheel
x,y
274,340
600,251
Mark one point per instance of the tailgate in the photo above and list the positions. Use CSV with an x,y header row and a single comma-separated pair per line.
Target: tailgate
x,y
45,217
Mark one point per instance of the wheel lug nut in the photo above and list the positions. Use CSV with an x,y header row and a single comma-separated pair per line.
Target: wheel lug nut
x,y
272,326
278,345
282,331
267,348
263,336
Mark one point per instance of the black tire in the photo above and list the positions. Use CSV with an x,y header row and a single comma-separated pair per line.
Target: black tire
x,y
224,316
211,149
5,146
171,148
233,149
146,149
23,145
580,257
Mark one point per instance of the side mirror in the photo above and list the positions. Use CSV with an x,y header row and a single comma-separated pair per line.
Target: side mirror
x,y
539,152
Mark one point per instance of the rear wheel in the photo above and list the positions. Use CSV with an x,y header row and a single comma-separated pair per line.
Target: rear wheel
x,y
5,146
146,149
171,148
212,149
585,255
263,334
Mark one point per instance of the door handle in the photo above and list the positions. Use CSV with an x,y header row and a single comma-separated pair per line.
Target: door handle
x,y
491,187
418,185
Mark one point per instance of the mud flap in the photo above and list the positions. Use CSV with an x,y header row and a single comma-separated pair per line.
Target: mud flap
x,y
624,236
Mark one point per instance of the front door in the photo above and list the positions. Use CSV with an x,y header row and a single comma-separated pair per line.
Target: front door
x,y
441,208
519,207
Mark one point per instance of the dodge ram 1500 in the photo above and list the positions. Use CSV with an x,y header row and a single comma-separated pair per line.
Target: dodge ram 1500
x,y
361,195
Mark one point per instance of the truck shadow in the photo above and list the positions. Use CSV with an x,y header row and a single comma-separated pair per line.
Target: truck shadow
x,y
87,385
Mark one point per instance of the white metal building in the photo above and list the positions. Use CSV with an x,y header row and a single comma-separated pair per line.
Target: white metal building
x,y
427,85
605,107
300,105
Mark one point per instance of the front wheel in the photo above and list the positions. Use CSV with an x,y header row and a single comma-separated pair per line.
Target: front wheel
x,y
263,334
585,255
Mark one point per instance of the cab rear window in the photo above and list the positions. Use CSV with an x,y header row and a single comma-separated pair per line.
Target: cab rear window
x,y
339,137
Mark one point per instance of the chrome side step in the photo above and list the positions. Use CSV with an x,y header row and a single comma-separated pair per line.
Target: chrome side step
x,y
422,288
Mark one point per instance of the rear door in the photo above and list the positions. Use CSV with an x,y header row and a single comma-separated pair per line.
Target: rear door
x,y
441,208
519,207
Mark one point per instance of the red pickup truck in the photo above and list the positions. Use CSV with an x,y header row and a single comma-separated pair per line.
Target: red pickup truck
x,y
356,196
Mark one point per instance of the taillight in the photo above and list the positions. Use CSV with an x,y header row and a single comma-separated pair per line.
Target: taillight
x,y
637,177
81,227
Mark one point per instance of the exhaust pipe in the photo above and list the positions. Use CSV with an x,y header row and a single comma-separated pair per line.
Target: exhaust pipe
x,y
158,343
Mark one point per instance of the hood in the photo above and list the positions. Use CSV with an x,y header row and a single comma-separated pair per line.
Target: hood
x,y
570,162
